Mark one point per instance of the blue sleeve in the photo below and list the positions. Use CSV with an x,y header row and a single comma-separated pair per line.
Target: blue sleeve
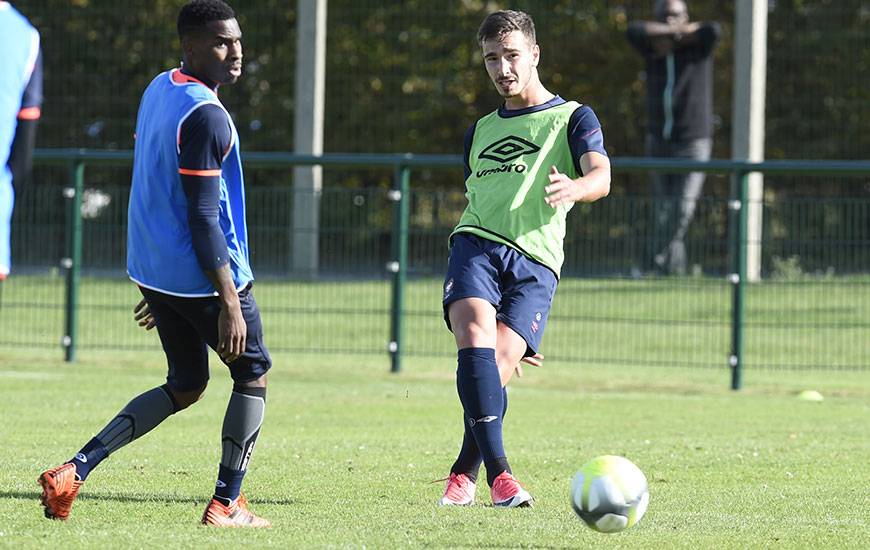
x,y
584,134
205,138
33,92
21,153
32,97
466,149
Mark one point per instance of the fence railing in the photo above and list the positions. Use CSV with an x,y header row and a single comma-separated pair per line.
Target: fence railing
x,y
651,306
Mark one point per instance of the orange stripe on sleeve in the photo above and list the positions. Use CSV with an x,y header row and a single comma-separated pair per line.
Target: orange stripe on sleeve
x,y
29,113
188,172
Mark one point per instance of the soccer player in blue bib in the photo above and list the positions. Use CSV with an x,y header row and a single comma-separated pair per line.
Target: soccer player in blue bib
x,y
187,250
526,164
20,103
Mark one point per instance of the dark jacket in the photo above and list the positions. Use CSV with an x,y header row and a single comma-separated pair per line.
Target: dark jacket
x,y
679,85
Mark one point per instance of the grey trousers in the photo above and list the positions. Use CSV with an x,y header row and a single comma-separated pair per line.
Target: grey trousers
x,y
674,199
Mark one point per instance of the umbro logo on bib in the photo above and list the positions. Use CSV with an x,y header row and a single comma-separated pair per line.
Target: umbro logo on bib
x,y
508,149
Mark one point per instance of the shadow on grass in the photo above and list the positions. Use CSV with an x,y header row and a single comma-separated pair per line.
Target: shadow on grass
x,y
37,495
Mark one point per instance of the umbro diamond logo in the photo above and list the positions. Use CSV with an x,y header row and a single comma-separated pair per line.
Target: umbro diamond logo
x,y
81,457
220,484
508,149
482,419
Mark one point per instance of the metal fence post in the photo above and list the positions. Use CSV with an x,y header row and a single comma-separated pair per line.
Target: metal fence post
x,y
739,214
72,261
400,195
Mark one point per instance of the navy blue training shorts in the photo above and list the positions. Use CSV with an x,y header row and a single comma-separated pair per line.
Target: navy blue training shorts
x,y
520,289
187,325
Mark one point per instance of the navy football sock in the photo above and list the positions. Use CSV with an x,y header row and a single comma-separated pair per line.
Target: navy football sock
x,y
482,396
228,485
88,457
469,459
139,417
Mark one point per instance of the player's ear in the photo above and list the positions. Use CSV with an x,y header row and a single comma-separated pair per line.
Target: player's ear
x,y
188,46
536,55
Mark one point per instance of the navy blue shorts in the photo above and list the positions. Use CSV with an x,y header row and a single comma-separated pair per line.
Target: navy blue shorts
x,y
187,325
520,289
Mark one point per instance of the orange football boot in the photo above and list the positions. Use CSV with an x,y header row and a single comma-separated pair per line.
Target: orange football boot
x,y
235,515
59,489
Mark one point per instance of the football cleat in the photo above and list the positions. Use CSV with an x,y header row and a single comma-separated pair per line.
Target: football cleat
x,y
217,514
459,491
506,491
59,489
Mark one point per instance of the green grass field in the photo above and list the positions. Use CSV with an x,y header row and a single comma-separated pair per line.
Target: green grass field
x,y
816,323
348,452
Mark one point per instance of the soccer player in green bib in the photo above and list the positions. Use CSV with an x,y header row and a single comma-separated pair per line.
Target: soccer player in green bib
x,y
526,164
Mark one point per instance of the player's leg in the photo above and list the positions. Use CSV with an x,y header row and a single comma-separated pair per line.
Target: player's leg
x,y
528,290
186,381
477,379
470,289
242,421
509,351
508,354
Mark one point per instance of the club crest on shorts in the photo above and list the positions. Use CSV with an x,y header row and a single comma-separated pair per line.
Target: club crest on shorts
x,y
535,325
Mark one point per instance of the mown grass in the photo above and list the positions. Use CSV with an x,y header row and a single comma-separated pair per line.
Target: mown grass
x,y
348,451
818,323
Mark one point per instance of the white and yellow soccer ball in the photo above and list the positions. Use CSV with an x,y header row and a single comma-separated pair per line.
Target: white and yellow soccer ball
x,y
609,493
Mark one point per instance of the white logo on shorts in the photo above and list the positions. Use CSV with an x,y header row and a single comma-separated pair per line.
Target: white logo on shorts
x,y
448,288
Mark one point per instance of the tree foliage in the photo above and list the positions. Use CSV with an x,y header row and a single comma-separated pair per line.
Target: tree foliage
x,y
407,75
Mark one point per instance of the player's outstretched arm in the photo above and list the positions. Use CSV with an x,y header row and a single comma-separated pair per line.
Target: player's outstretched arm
x,y
593,185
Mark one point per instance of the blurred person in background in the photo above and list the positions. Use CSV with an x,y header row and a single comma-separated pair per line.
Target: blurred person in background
x,y
20,103
679,104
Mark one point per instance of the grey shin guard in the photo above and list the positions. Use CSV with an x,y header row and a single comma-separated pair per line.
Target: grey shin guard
x,y
139,417
241,427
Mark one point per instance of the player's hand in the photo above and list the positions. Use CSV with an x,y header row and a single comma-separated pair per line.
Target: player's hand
x,y
232,332
562,189
536,360
142,315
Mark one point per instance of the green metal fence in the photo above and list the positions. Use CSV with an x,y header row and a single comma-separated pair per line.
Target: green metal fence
x,y
383,249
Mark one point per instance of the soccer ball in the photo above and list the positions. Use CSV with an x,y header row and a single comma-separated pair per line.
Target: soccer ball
x,y
609,493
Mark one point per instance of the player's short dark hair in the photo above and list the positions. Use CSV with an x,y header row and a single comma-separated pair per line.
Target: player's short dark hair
x,y
198,13
499,24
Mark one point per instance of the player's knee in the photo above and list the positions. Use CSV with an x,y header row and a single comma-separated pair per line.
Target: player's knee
x,y
255,383
184,399
474,335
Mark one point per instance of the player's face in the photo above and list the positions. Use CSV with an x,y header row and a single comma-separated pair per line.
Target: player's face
x,y
511,63
216,52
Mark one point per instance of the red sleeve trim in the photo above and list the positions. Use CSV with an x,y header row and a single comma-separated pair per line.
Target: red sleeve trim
x,y
189,172
29,113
